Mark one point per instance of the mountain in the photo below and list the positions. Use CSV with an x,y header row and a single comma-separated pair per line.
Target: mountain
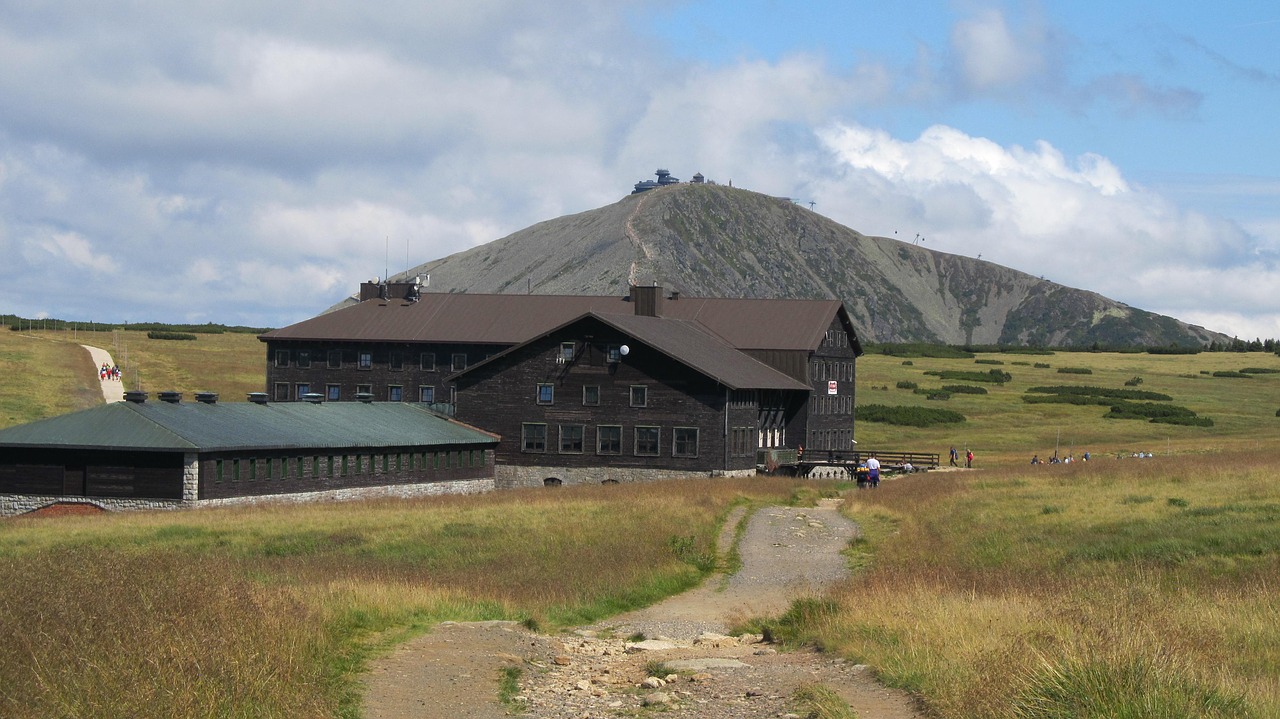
x,y
708,240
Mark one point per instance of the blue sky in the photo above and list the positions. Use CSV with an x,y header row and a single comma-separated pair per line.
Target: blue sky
x,y
245,163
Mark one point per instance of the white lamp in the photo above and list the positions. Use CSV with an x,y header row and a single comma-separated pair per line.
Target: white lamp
x,y
624,350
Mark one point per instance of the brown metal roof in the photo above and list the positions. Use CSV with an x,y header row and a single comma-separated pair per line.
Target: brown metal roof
x,y
684,341
512,319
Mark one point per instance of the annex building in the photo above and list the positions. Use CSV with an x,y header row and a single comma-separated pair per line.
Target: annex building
x,y
141,454
589,388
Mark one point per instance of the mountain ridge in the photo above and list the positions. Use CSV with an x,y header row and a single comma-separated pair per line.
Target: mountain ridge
x,y
707,240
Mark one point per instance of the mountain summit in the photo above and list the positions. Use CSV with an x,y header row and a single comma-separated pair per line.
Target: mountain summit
x,y
708,240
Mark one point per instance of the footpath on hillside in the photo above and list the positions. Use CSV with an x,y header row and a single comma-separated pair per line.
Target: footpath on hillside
x,y
603,671
112,389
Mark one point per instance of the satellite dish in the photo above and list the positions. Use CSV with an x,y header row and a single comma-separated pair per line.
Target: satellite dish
x,y
625,350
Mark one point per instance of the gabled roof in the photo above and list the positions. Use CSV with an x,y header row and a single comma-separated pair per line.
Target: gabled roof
x,y
684,341
512,319
195,426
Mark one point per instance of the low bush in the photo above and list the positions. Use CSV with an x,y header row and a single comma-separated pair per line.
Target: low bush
x,y
1230,373
995,375
1260,370
1133,382
964,389
1042,365
1086,391
1158,413
908,416
162,335
907,384
920,350
988,361
1074,370
1020,364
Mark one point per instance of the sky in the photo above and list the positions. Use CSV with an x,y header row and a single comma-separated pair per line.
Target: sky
x,y
251,162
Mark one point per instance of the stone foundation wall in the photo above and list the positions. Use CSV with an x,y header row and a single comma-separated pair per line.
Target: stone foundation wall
x,y
512,476
15,504
397,491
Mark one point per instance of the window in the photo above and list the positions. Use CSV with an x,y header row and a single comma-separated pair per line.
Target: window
x,y
647,441
613,353
591,395
571,439
395,393
639,395
608,439
397,360
364,389
282,358
333,392
546,394
427,361
335,359
566,351
282,391
303,389
459,361
366,360
427,394
533,437
685,442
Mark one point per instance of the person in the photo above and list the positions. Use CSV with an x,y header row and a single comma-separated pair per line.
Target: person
x,y
968,458
1035,459
1086,456
954,456
908,468
873,471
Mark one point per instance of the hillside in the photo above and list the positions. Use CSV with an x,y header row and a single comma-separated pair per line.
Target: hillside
x,y
713,240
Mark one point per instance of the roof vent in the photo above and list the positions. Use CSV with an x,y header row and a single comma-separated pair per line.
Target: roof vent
x,y
207,397
171,397
313,397
135,396
258,397
365,397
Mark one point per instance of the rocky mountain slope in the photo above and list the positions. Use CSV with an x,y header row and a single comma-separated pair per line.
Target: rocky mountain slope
x,y
712,240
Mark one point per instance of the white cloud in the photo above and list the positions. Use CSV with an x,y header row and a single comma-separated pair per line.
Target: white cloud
x,y
992,57
67,253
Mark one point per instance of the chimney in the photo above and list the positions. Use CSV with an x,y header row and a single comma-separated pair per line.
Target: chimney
x,y
207,397
135,396
365,397
258,397
313,397
648,300
675,295
171,397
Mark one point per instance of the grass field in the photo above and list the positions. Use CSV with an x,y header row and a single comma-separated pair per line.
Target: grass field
x,y
1120,587
46,373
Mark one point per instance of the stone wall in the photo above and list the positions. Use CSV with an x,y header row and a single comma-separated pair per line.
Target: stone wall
x,y
511,476
15,504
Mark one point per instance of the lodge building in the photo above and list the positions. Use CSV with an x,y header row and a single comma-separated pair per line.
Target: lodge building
x,y
589,388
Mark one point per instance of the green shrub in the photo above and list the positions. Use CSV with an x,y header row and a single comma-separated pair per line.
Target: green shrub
x,y
919,350
908,416
908,363
940,396
988,361
964,389
163,335
1158,413
1260,370
1074,370
1080,390
907,384
1230,373
995,375
1042,365
1133,382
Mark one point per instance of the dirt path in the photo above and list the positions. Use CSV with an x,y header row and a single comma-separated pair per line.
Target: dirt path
x,y
112,390
597,671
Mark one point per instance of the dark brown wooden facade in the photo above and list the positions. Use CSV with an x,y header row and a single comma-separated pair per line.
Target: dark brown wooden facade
x,y
380,349
571,399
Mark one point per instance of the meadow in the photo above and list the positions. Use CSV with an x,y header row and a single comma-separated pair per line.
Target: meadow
x,y
44,373
1120,587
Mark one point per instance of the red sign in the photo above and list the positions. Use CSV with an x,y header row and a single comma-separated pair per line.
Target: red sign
x,y
831,387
